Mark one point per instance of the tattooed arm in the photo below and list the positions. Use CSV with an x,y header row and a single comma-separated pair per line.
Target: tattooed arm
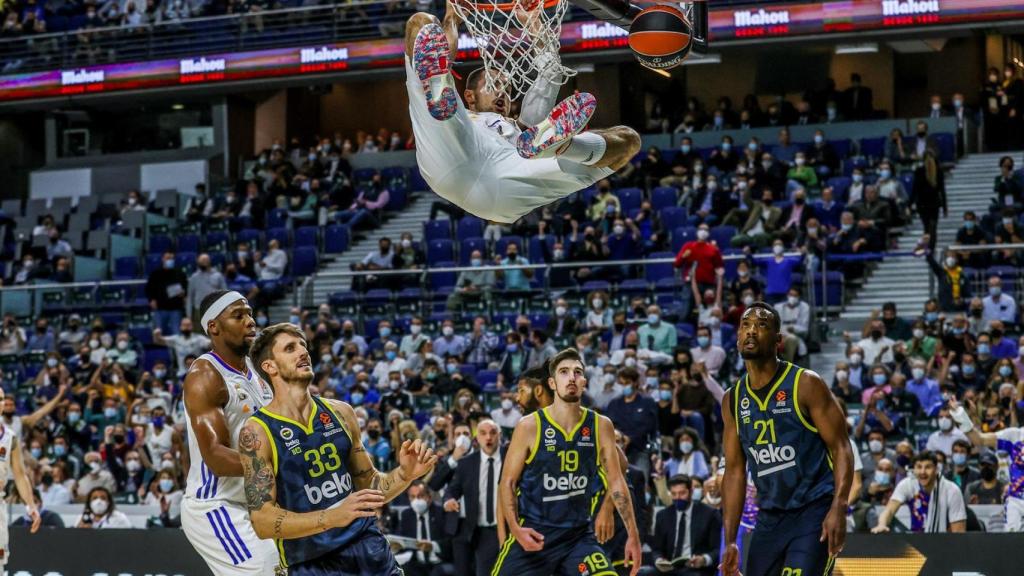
x,y
270,520
618,492
415,460
523,437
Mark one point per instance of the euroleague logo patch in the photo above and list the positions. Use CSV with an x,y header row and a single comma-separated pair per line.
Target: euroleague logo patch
x,y
325,419
585,434
781,396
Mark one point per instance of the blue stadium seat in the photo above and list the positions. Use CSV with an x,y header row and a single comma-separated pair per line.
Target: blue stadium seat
x,y
629,198
487,377
217,241
873,147
841,147
126,268
142,334
681,236
946,143
728,336
250,235
277,218
336,238
663,197
438,250
722,235
470,227
158,244
634,286
437,230
593,285
363,176
188,243
157,354
442,280
397,198
468,245
537,248
304,261
306,236
153,263
657,271
673,217
281,235
840,187
186,261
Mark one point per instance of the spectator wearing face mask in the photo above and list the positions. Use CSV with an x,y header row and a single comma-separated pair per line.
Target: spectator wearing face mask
x,y
73,335
602,200
636,415
795,318
707,258
412,341
877,452
166,290
449,343
942,440
42,339
761,224
185,343
657,335
50,491
204,281
12,337
167,495
999,305
376,443
801,174
987,488
513,362
842,387
123,354
391,362
954,287
515,280
877,411
959,471
882,482
877,346
689,457
472,285
96,477
100,512
713,357
688,529
926,389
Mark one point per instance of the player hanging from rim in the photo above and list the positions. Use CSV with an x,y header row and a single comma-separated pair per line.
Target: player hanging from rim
x,y
309,483
1009,440
221,392
532,394
485,162
550,490
783,424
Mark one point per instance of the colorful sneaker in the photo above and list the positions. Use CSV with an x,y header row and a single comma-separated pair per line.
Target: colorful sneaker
x,y
431,54
566,120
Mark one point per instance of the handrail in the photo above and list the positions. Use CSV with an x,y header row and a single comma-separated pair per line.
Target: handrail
x,y
64,285
983,247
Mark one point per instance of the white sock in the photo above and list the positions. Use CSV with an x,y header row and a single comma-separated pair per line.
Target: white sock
x,y
586,148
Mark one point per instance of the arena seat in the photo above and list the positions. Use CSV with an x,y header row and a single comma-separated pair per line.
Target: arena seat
x,y
664,197
307,236
304,261
467,246
470,227
336,238
437,230
629,198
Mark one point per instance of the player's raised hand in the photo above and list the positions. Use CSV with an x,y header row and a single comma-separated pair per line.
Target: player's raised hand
x,y
362,504
730,565
33,513
416,459
528,538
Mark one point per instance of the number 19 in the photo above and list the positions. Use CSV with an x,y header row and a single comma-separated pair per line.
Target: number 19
x,y
570,460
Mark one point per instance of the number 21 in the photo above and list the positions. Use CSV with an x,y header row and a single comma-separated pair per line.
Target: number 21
x,y
765,427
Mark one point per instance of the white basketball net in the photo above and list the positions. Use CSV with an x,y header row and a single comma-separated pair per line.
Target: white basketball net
x,y
518,39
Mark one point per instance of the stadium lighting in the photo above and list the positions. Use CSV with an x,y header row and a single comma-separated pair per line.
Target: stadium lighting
x,y
865,48
177,106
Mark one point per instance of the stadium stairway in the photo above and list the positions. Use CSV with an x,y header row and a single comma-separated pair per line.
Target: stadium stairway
x,y
905,280
410,219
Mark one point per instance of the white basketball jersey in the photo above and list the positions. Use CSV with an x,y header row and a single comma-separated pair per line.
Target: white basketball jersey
x,y
505,128
6,444
246,394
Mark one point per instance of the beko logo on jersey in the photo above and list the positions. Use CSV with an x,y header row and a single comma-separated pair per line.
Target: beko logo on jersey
x,y
332,487
781,456
569,482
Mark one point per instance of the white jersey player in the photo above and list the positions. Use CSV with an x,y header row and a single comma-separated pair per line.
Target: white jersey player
x,y
483,161
221,391
12,466
1009,440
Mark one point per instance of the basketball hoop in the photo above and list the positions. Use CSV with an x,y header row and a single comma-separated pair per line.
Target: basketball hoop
x,y
518,41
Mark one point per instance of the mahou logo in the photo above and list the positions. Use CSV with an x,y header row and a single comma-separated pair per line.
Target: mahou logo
x,y
760,17
909,7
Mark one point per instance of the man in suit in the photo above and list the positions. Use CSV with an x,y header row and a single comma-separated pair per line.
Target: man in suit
x,y
687,529
562,324
424,521
858,99
471,503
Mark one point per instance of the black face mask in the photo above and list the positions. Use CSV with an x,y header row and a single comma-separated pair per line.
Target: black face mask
x,y
186,333
976,312
47,479
523,330
876,334
373,434
119,438
620,327
442,435
988,473
997,333
921,134
347,333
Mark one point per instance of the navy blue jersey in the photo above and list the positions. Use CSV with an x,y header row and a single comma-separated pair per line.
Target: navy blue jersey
x,y
311,473
786,457
563,475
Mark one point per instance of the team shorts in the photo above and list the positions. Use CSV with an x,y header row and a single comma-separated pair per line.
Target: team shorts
x,y
786,542
476,169
370,555
222,534
566,552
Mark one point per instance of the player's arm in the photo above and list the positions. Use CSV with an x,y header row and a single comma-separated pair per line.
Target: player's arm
x,y
31,419
205,398
963,422
415,459
523,436
22,483
270,520
618,492
734,485
604,522
826,416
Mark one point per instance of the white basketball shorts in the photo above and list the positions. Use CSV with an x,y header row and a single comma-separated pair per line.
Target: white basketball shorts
x,y
222,534
476,169
1014,514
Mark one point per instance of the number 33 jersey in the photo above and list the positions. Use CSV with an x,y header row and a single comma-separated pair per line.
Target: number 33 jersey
x,y
786,457
562,477
311,469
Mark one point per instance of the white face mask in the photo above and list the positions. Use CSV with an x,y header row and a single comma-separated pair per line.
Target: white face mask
x,y
713,500
463,442
448,331
703,234
945,424
950,262
778,249
94,466
855,359
506,404
560,311
875,446
419,506
918,333
748,300
598,303
99,506
415,329
792,300
842,375
133,466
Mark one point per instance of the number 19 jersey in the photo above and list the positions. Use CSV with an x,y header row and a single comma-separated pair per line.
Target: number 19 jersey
x,y
563,476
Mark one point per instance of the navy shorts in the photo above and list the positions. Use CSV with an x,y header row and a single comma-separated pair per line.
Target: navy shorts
x,y
786,542
566,552
368,556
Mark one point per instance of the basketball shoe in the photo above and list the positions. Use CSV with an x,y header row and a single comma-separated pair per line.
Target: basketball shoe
x,y
566,120
431,54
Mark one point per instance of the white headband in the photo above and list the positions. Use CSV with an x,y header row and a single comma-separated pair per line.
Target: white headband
x,y
219,306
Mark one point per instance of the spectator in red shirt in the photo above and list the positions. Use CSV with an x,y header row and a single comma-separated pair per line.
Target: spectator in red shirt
x,y
708,258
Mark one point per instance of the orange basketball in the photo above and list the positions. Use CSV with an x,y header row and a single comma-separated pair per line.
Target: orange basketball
x,y
660,37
